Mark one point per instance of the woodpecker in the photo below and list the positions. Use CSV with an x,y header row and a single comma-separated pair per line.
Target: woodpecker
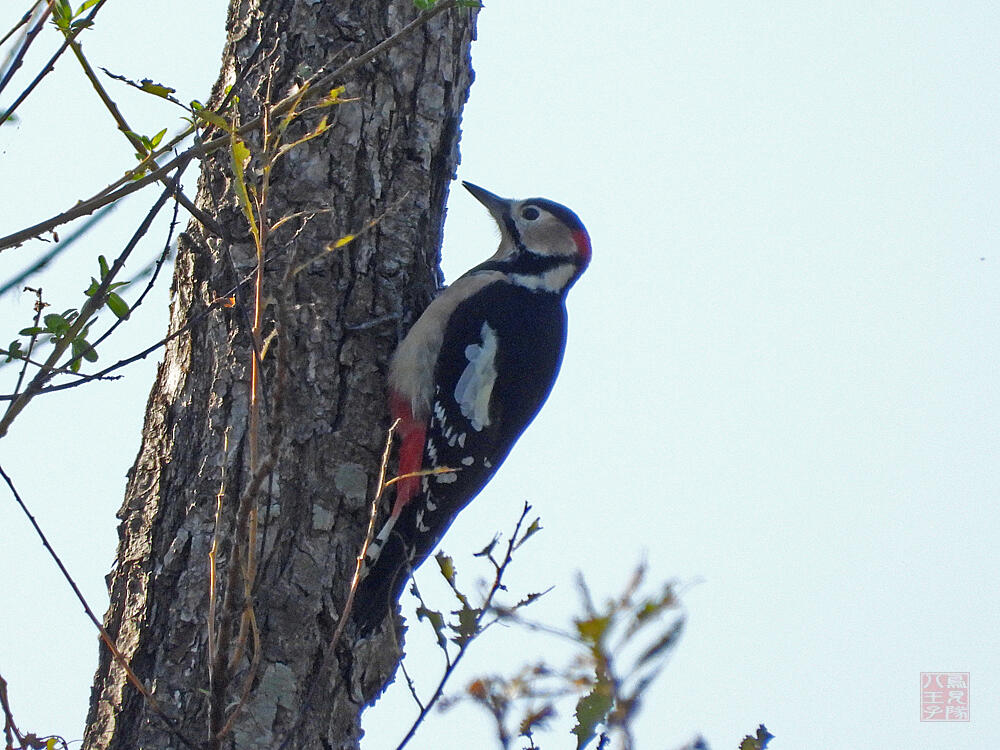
x,y
468,378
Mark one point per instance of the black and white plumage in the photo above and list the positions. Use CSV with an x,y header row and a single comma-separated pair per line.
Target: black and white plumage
x,y
468,379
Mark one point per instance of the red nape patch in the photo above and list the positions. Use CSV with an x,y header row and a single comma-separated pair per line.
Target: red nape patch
x,y
582,240
413,433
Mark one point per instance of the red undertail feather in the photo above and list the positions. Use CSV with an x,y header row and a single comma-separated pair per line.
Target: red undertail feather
x,y
413,434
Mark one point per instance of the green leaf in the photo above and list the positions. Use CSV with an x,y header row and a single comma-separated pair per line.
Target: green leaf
x,y
62,14
78,348
155,140
32,331
87,6
533,529
211,117
14,351
468,626
156,89
118,306
759,742
82,348
447,566
424,4
591,710
436,619
241,154
55,323
103,262
593,630
91,290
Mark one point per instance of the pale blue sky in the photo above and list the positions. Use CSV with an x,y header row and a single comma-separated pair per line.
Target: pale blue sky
x,y
781,380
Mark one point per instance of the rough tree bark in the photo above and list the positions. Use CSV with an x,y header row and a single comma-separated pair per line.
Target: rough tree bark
x,y
391,152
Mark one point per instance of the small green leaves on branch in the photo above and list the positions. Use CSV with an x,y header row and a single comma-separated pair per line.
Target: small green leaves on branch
x,y
148,143
469,622
148,86
57,327
115,303
66,20
758,741
209,116
592,710
618,650
14,351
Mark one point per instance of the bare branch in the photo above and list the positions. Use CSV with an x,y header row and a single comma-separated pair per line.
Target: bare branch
x,y
105,637
50,65
318,88
464,644
30,33
24,19
88,309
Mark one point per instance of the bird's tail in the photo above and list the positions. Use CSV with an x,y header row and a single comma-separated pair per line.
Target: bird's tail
x,y
383,582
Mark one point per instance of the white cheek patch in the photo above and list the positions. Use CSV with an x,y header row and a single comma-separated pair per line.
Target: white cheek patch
x,y
554,280
475,386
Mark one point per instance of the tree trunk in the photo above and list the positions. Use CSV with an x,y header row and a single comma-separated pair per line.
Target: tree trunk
x,y
388,155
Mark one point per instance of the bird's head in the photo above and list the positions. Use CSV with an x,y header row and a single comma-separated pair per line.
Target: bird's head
x,y
536,227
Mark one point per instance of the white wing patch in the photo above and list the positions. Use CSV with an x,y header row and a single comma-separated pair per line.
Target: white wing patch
x,y
475,386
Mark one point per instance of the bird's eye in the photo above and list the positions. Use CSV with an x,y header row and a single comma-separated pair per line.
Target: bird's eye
x,y
530,213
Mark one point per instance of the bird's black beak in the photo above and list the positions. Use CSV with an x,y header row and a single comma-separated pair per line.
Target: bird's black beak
x,y
496,205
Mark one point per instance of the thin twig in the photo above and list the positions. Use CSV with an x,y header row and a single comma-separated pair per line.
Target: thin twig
x,y
39,306
59,247
86,312
105,636
87,207
64,370
149,286
104,374
345,614
24,19
464,645
318,88
9,727
135,141
17,59
50,65
213,553
410,685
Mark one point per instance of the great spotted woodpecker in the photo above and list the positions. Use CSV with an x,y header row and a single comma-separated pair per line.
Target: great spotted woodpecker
x,y
468,379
